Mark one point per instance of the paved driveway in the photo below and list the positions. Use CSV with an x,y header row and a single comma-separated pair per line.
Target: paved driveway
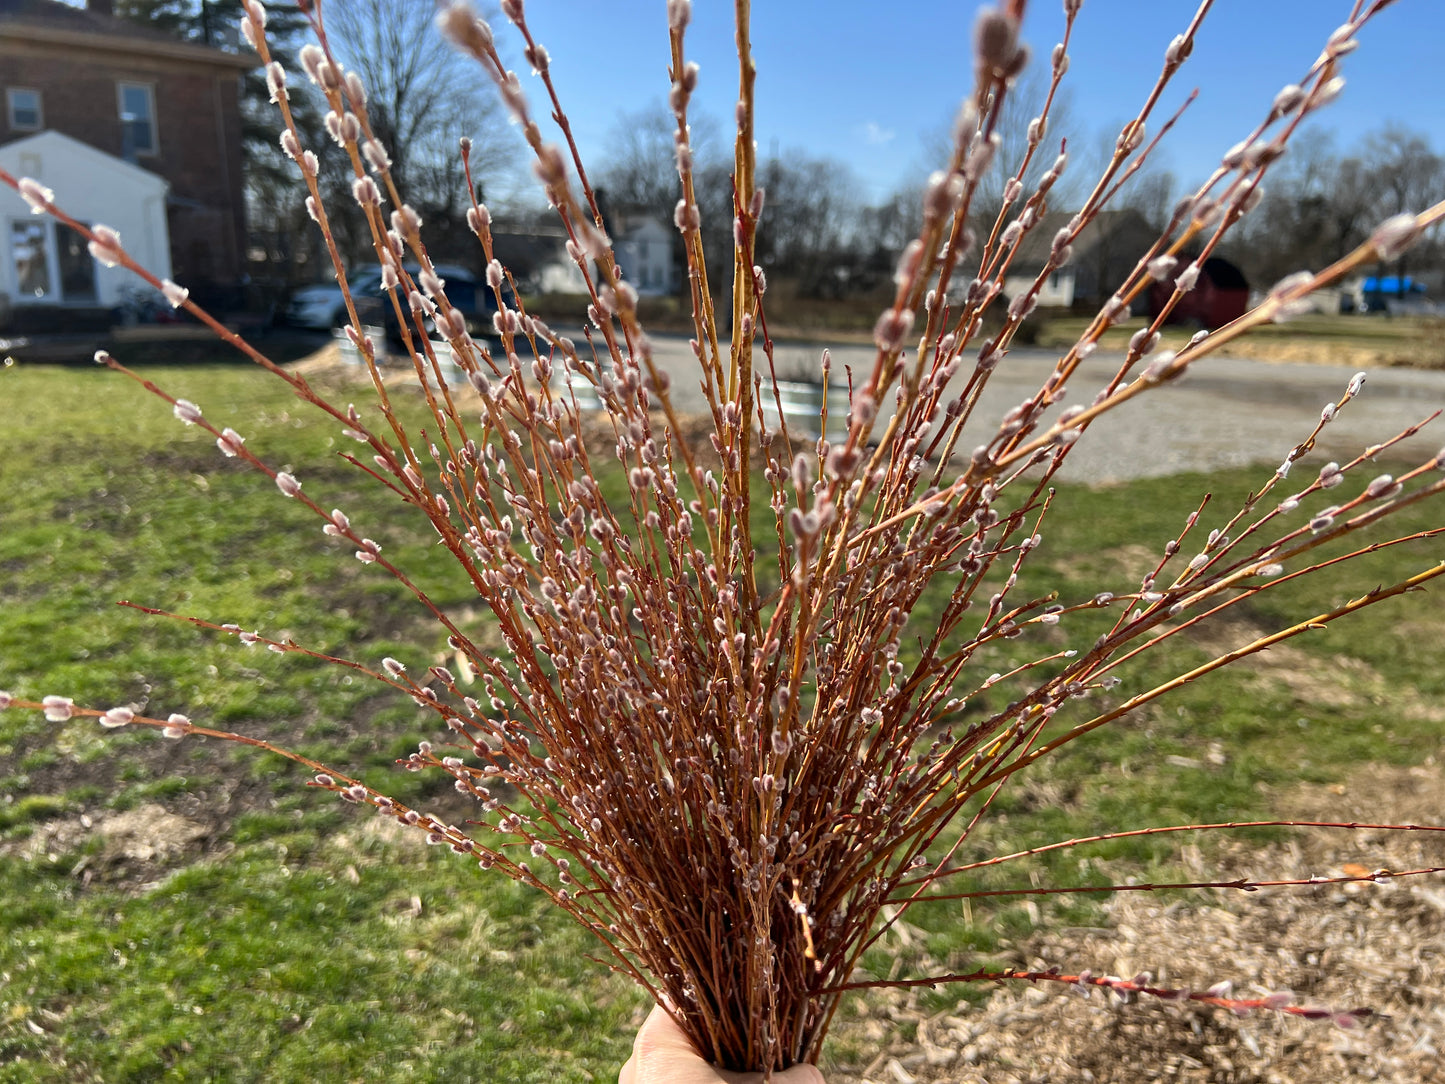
x,y
1225,413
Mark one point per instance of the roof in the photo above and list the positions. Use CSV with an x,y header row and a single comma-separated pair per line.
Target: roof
x,y
107,165
1225,275
1035,248
64,24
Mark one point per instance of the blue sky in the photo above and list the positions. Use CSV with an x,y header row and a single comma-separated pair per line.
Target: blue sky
x,y
868,83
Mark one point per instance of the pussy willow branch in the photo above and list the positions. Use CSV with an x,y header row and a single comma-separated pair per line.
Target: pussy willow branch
x,y
1413,583
744,781
1170,829
1251,156
1264,314
1085,981
1242,884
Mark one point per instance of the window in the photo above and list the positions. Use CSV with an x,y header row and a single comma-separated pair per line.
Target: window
x,y
137,119
23,107
51,264
29,250
75,265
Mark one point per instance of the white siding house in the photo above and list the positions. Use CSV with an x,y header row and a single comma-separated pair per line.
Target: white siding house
x,y
645,249
645,254
44,263
560,275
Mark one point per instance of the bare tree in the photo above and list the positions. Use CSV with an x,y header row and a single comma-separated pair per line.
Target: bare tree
x,y
640,170
1316,206
889,226
1406,171
1319,204
1021,106
1151,192
1407,175
422,96
810,212
641,167
278,228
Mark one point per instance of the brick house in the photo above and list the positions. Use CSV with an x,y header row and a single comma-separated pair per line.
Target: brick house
x,y
169,107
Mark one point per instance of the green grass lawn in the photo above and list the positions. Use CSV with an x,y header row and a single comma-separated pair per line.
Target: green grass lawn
x,y
295,940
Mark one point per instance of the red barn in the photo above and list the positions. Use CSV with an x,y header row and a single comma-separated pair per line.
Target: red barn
x,y
1221,295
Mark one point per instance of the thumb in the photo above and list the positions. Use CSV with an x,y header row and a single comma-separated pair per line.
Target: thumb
x,y
800,1074
662,1054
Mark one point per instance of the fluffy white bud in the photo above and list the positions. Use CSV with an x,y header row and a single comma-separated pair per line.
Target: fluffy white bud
x,y
36,194
106,246
1162,267
176,295
1394,235
276,81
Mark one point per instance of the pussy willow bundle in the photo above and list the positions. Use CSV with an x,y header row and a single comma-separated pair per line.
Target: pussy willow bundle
x,y
719,738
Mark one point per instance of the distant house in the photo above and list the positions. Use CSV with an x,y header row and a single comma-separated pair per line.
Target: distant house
x,y
44,263
1105,252
645,252
645,249
559,275
77,80
534,249
1220,296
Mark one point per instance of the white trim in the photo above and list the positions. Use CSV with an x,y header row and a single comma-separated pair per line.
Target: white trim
x,y
94,187
15,125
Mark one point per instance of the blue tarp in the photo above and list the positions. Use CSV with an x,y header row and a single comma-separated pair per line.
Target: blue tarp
x,y
1390,284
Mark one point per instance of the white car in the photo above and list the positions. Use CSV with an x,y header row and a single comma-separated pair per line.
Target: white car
x,y
321,307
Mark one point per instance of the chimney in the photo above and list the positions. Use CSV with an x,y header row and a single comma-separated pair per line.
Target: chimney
x,y
100,7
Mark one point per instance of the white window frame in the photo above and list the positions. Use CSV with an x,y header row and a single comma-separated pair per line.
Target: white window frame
x,y
10,96
150,93
12,271
54,289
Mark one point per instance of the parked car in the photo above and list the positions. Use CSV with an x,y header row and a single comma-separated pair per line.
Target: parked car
x,y
322,306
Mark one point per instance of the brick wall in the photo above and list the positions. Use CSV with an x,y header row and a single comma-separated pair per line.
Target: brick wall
x,y
198,136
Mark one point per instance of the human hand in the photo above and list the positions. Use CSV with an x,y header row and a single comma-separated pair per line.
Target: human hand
x,y
662,1054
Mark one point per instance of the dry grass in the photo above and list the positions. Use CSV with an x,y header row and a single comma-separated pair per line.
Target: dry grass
x,y
1378,945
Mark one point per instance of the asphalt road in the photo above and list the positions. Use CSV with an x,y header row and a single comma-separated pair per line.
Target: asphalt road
x,y
1224,413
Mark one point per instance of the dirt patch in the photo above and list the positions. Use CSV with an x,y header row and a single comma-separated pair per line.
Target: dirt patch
x,y
1380,946
134,844
148,834
1421,354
